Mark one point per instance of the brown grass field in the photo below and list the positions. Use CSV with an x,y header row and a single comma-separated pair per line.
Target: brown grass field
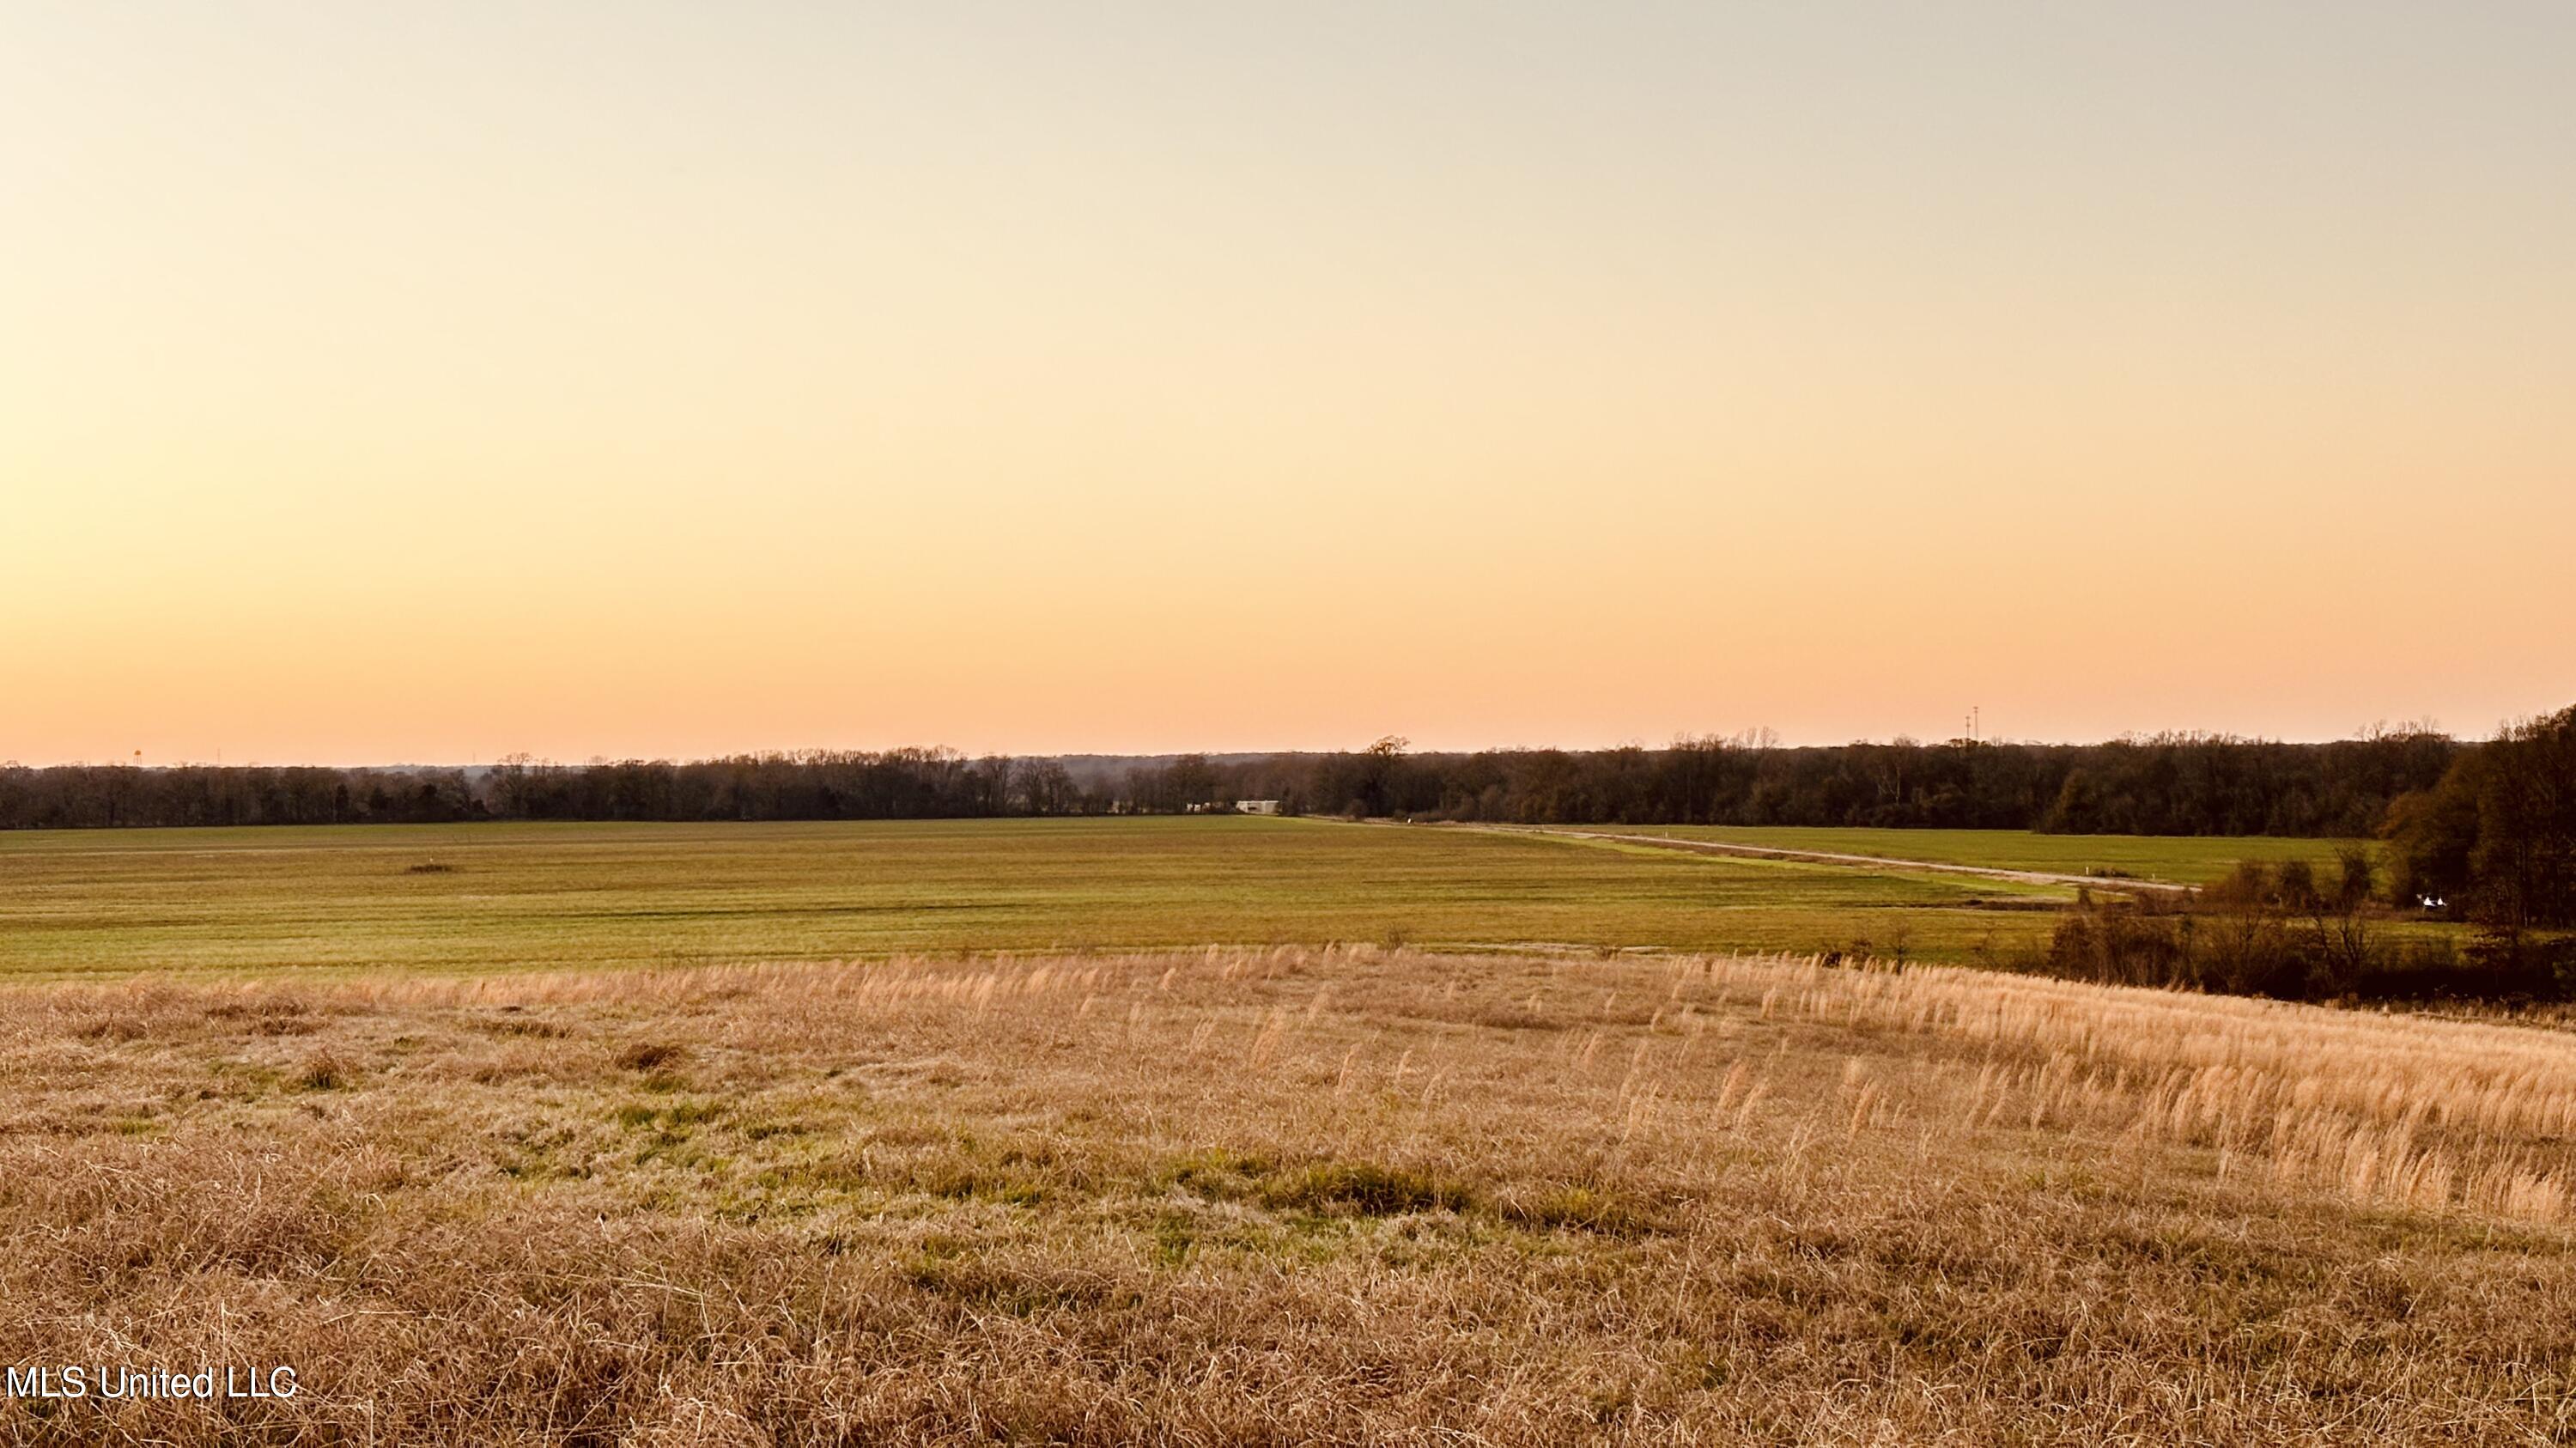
x,y
1285,1195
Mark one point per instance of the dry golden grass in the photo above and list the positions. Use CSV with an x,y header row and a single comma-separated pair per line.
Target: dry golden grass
x,y
1287,1195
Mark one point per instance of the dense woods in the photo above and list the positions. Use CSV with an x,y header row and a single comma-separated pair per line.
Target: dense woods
x,y
2182,785
2491,843
2167,785
2494,840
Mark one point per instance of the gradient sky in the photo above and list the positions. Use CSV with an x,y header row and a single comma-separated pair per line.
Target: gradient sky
x,y
434,382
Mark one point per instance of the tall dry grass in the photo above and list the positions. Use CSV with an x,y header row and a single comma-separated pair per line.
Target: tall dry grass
x,y
2417,1110
1290,1195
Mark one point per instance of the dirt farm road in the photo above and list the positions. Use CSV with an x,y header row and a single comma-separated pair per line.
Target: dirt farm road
x,y
1826,857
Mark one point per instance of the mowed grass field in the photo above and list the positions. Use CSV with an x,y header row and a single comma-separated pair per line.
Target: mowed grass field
x,y
2180,860
1285,1195
473,898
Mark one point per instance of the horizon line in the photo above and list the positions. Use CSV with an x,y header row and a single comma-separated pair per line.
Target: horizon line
x,y
1742,739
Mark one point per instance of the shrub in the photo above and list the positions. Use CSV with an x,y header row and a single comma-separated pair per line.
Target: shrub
x,y
2277,932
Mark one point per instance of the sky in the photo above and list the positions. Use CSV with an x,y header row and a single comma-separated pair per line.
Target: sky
x,y
431,383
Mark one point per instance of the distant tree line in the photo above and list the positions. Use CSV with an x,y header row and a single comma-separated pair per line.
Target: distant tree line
x,y
814,785
2169,784
2165,785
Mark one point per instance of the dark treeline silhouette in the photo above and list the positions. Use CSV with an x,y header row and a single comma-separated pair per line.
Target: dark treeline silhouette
x,y
2492,843
2175,784
2494,840
894,784
2167,785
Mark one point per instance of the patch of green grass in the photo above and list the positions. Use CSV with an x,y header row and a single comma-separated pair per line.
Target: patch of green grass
x,y
1339,1188
678,1117
963,1182
1580,1208
2175,859
1217,1173
578,896
1365,1189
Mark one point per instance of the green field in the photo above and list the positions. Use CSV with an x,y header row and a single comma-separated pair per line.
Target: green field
x,y
2184,860
512,896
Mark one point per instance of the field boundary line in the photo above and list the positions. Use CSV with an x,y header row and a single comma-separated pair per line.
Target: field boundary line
x,y
1828,857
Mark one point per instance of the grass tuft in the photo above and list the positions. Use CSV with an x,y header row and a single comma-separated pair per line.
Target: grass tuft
x,y
323,1071
651,1056
1368,1189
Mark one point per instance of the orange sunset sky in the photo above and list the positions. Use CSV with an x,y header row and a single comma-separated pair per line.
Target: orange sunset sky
x,y
435,382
